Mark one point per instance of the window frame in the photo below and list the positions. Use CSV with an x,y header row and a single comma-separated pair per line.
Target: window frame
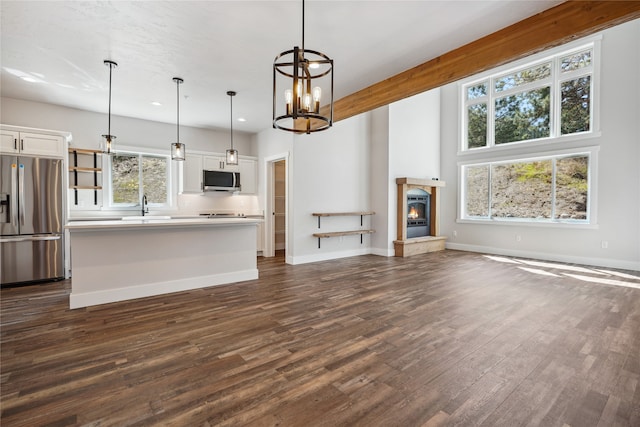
x,y
590,222
555,81
171,188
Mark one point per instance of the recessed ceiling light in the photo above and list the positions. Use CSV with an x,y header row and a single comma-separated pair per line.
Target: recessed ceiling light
x,y
156,103
242,119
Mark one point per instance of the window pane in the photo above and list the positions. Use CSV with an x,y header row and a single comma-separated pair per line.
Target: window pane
x,y
525,76
572,187
477,91
124,177
477,191
477,126
154,179
575,105
521,190
575,61
522,116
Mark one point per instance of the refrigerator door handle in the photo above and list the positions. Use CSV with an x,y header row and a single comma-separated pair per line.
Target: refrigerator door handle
x,y
29,238
13,211
21,196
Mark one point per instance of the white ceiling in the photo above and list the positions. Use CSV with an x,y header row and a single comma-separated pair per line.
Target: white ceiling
x,y
216,46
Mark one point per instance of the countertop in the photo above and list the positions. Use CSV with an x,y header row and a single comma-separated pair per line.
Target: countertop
x,y
150,222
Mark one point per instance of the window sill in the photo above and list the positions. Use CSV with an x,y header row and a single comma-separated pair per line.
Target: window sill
x,y
524,223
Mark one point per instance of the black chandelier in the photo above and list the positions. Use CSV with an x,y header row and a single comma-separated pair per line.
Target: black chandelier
x,y
109,143
300,78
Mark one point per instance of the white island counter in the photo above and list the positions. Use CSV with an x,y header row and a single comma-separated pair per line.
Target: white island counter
x,y
125,259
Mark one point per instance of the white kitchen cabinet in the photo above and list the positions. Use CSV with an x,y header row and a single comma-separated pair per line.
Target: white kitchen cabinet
x,y
248,176
30,143
218,163
192,174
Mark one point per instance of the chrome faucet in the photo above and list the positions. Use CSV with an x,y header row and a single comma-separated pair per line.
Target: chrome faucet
x,y
145,208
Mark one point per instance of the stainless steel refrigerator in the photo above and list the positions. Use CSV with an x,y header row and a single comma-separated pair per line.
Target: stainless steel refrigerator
x,y
31,232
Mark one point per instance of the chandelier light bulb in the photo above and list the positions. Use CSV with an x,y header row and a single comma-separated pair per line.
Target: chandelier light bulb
x,y
306,101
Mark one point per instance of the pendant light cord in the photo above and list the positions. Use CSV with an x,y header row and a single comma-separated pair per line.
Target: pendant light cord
x,y
303,25
178,111
109,126
231,99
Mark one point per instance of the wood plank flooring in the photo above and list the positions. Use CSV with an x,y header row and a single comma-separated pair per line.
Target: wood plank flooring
x,y
442,339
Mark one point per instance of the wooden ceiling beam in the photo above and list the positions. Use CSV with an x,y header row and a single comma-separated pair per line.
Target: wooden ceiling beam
x,y
553,27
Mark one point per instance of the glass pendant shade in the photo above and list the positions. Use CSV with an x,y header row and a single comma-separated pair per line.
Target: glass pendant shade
x,y
232,157
177,148
302,89
177,151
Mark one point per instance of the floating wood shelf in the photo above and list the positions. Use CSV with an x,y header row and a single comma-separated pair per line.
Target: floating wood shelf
x,y
84,151
341,233
86,187
83,169
361,214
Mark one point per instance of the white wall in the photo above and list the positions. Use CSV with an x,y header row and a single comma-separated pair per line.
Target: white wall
x,y
414,146
87,127
618,175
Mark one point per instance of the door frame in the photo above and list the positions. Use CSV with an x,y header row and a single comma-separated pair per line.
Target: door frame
x,y
269,222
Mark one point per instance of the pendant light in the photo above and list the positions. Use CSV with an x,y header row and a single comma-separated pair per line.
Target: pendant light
x,y
177,148
232,155
304,75
109,142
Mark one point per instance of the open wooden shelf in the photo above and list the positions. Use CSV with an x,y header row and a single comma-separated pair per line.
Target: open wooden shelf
x,y
84,169
361,214
75,169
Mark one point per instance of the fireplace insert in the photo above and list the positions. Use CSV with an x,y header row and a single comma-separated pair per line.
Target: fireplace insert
x,y
418,213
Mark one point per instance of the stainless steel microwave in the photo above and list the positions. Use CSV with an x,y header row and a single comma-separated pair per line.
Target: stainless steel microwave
x,y
220,181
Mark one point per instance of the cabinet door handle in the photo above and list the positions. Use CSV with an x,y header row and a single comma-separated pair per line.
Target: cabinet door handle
x,y
21,144
15,143
221,165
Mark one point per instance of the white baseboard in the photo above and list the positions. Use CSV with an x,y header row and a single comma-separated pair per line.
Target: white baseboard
x,y
305,259
87,299
546,256
383,252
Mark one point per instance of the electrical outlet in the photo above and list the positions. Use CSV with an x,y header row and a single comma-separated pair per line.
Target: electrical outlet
x,y
604,244
518,238
455,233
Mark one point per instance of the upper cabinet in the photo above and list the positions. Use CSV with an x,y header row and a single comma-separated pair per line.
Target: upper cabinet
x,y
194,164
191,174
218,163
248,176
30,143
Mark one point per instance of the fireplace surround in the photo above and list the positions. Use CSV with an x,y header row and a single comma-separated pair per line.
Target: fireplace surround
x,y
417,219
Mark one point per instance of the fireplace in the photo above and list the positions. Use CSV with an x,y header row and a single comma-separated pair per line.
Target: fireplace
x,y
418,213
418,219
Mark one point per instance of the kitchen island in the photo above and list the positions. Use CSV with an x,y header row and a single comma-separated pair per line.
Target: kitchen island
x,y
126,259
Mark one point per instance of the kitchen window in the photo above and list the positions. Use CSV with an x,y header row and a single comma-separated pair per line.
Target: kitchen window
x,y
133,175
544,100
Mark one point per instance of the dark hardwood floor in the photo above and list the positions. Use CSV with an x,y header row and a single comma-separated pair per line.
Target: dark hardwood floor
x,y
447,338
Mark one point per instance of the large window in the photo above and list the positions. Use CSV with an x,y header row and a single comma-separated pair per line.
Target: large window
x,y
509,119
134,175
550,98
544,189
